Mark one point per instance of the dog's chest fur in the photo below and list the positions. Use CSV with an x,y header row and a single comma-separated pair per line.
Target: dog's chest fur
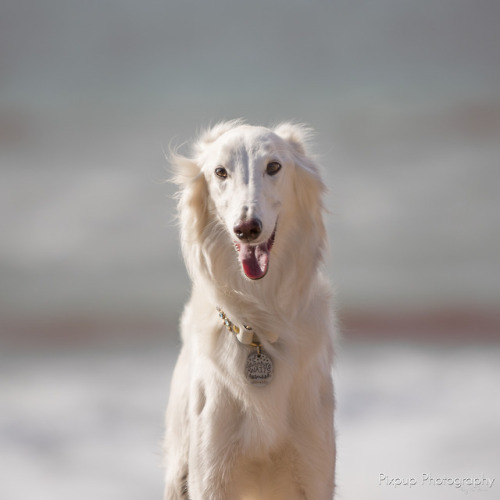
x,y
262,418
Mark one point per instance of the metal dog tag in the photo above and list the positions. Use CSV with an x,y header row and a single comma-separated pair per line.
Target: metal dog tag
x,y
259,369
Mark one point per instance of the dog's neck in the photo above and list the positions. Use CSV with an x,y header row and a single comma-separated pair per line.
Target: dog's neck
x,y
280,296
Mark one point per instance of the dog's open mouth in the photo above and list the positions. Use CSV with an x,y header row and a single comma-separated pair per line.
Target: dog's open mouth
x,y
255,258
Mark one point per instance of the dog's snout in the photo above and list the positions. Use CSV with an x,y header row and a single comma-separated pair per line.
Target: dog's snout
x,y
248,229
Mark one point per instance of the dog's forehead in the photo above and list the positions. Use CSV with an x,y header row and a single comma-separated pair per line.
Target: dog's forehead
x,y
248,141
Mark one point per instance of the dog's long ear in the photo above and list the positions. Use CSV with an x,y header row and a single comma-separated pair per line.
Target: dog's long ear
x,y
307,171
192,202
296,135
308,184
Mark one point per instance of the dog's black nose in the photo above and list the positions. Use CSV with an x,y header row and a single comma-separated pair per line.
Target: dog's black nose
x,y
248,229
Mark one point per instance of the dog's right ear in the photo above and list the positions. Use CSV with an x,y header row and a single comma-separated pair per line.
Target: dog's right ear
x,y
185,170
193,210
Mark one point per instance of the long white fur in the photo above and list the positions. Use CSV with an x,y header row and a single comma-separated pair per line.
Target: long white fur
x,y
225,438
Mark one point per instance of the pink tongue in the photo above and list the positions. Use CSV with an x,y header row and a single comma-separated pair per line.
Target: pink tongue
x,y
254,260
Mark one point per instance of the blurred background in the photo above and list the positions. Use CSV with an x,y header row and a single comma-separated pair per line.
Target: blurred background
x,y
405,100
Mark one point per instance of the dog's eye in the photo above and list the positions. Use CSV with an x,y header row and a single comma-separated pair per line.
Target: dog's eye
x,y
221,172
273,168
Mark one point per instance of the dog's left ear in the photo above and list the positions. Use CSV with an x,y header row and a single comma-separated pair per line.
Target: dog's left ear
x,y
308,184
296,135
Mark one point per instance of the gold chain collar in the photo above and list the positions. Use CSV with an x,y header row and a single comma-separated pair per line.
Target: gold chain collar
x,y
235,329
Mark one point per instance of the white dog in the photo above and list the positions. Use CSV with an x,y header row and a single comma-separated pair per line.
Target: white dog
x,y
251,405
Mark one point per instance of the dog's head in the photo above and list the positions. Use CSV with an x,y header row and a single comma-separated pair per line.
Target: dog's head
x,y
251,187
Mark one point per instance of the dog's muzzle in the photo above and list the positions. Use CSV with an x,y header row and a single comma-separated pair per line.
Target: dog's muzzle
x,y
254,258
